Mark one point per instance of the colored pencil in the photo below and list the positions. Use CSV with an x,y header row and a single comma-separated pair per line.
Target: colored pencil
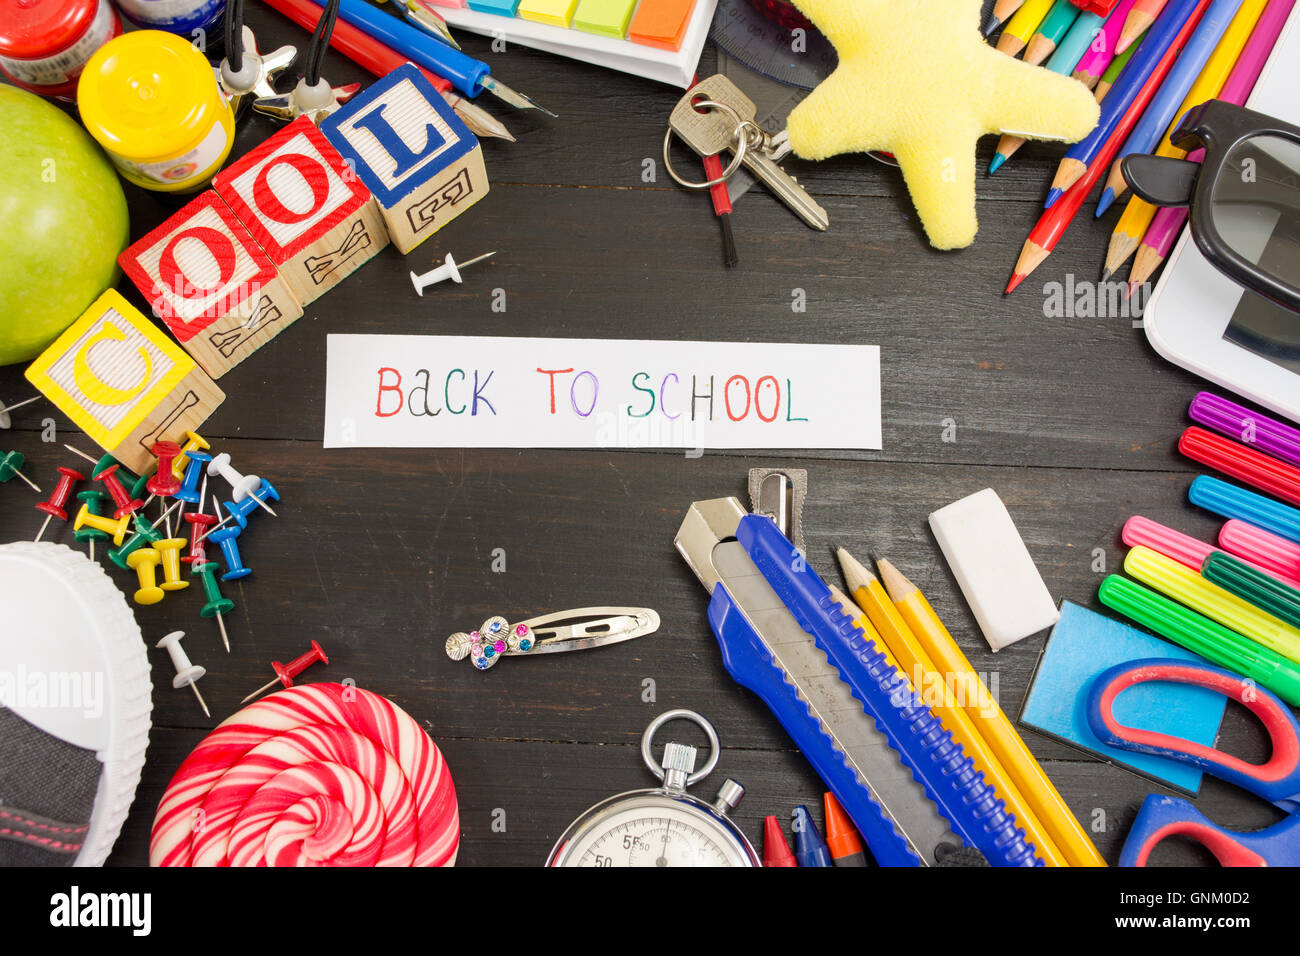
x,y
1022,26
1093,63
1229,501
1188,84
917,666
1265,592
1051,31
1168,221
1112,73
1141,79
1001,11
995,728
1200,635
1263,549
1141,17
1278,478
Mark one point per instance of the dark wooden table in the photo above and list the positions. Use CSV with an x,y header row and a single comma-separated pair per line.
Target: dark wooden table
x,y
380,554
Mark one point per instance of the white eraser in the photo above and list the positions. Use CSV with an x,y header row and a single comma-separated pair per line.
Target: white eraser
x,y
993,568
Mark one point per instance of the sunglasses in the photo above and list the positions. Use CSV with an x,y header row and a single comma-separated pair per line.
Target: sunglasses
x,y
1244,195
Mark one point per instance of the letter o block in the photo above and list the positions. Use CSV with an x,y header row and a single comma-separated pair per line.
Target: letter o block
x,y
422,163
211,283
123,382
306,208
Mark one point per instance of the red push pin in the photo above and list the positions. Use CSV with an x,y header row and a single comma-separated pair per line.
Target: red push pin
x,y
59,498
198,551
125,504
164,484
285,674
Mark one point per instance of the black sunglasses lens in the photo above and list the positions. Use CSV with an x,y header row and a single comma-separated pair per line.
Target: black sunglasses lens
x,y
1256,205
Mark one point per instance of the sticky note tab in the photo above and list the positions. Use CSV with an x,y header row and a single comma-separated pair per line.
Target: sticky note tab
x,y
661,23
607,18
556,12
504,8
456,4
1082,645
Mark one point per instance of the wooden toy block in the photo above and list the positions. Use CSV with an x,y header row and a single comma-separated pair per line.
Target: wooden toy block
x,y
306,208
212,284
123,382
422,163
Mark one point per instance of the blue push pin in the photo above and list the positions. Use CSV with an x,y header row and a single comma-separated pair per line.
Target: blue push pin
x,y
189,492
235,569
239,510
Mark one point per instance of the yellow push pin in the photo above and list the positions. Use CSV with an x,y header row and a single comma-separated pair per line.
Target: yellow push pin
x,y
144,563
170,551
109,526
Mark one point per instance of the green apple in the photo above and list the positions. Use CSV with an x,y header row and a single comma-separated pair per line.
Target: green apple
x,y
63,221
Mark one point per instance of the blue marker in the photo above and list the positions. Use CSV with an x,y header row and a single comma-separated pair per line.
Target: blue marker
x,y
809,847
1233,502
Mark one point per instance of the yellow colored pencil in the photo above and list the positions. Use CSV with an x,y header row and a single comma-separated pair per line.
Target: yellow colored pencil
x,y
863,622
916,665
1023,25
997,730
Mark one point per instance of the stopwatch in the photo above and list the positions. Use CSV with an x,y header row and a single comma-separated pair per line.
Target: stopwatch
x,y
666,826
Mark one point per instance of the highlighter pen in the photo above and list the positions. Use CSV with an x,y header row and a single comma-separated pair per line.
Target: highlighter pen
x,y
776,850
809,847
841,837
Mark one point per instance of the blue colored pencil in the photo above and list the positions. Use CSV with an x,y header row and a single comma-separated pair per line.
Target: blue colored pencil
x,y
1230,501
1160,113
1163,33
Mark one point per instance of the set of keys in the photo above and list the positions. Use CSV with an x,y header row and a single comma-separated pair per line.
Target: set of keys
x,y
715,117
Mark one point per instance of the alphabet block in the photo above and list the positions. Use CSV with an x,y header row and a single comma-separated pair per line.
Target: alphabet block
x,y
124,382
422,163
211,283
307,209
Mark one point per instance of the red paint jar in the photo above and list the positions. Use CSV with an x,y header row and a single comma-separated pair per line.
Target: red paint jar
x,y
44,44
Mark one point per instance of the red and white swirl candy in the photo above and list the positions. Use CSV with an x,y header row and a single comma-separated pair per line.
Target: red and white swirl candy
x,y
318,775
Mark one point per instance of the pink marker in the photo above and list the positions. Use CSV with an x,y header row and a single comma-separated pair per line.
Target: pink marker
x,y
1101,50
1268,552
1181,547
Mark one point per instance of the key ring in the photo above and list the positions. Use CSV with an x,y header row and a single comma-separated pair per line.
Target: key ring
x,y
648,736
742,144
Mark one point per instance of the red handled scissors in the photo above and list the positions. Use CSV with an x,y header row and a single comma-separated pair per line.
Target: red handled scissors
x,y
1277,780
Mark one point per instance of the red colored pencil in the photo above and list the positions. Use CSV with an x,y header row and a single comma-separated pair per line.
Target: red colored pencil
x,y
1056,219
1242,462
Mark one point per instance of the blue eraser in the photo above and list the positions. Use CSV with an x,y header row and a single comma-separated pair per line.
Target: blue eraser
x,y
1081,646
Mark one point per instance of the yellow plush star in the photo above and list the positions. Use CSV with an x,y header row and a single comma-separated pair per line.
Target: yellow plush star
x,y
917,79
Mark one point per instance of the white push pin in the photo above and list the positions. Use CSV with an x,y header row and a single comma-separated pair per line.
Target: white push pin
x,y
6,409
186,673
241,486
448,270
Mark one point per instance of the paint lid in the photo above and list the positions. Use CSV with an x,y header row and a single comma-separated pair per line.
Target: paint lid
x,y
34,29
149,95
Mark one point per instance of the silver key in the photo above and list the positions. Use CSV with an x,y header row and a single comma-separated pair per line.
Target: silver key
x,y
714,130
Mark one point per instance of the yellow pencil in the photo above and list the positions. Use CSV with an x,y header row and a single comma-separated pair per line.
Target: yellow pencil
x,y
916,665
864,623
1023,25
998,732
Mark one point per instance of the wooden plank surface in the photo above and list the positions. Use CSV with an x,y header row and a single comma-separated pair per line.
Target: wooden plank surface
x,y
381,554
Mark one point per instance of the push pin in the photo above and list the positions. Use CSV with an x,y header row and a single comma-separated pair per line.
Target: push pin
x,y
125,503
92,499
164,484
241,486
217,604
144,563
193,442
239,510
448,270
226,539
100,464
144,535
285,673
58,500
186,673
189,490
5,420
198,521
170,551
10,463
114,529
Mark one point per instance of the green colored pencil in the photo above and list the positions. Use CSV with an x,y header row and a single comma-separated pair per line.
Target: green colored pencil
x,y
1113,71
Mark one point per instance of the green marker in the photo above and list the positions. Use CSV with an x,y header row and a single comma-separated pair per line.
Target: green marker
x,y
1262,590
1199,634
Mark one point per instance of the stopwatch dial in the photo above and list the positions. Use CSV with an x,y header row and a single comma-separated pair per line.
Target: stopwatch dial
x,y
656,836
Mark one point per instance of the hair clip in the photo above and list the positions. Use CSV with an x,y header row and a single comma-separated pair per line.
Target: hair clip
x,y
577,630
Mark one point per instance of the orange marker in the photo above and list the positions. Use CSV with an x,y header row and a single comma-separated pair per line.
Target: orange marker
x,y
776,849
841,837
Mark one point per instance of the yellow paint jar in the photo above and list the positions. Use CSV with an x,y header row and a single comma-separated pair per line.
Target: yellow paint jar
x,y
152,101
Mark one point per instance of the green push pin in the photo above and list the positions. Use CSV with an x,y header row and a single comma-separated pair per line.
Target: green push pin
x,y
93,499
217,604
10,463
104,463
144,534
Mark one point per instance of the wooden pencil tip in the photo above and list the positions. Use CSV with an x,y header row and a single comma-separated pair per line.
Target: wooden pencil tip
x,y
896,585
856,575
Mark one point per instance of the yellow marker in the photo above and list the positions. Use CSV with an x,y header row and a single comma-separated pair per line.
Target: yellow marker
x,y
1023,25
916,665
996,729
557,12
152,101
1187,587
1132,225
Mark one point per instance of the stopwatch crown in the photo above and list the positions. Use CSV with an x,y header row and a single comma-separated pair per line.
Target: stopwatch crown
x,y
679,763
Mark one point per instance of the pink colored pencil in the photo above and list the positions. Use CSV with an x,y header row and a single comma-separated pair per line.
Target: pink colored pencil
x,y
1168,221
1277,556
1101,50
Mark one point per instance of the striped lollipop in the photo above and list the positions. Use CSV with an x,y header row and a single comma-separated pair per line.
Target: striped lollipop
x,y
318,775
